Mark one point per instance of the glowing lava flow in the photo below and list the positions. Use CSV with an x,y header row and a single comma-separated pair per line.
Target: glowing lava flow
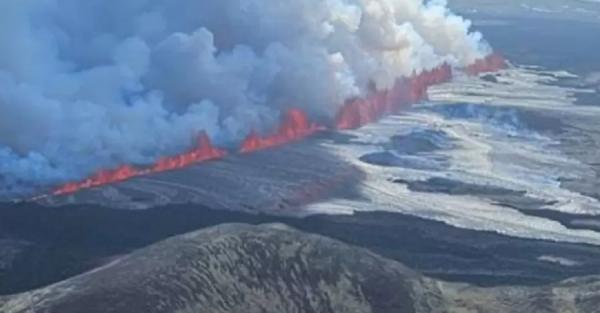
x,y
358,112
204,151
103,177
294,125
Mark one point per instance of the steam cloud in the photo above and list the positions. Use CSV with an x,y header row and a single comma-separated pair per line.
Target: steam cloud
x,y
93,84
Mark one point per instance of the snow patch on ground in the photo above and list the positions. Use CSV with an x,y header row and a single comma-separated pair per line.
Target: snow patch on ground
x,y
491,145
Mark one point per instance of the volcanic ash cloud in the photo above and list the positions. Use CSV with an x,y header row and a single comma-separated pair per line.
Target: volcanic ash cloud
x,y
92,84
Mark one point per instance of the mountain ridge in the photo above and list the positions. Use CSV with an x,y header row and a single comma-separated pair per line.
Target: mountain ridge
x,y
275,268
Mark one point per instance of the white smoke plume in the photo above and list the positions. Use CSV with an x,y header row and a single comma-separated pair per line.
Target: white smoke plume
x,y
592,80
97,83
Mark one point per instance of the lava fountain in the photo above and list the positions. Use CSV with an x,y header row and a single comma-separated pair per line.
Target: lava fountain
x,y
204,151
102,177
358,112
294,125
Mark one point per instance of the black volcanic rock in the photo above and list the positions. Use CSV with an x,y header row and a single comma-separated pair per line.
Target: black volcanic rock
x,y
234,268
273,268
490,78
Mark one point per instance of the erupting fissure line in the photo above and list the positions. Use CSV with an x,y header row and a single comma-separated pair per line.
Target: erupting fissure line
x,y
358,112
204,151
296,125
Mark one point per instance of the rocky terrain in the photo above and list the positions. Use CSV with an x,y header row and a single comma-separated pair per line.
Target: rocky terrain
x,y
273,268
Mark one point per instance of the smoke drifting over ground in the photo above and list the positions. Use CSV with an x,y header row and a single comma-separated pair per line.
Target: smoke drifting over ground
x,y
92,84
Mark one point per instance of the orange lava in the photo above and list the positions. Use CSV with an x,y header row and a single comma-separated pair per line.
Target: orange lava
x,y
294,125
103,177
358,112
204,151
492,63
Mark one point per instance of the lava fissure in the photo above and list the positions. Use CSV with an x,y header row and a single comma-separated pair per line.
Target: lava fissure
x,y
296,125
204,151
358,112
